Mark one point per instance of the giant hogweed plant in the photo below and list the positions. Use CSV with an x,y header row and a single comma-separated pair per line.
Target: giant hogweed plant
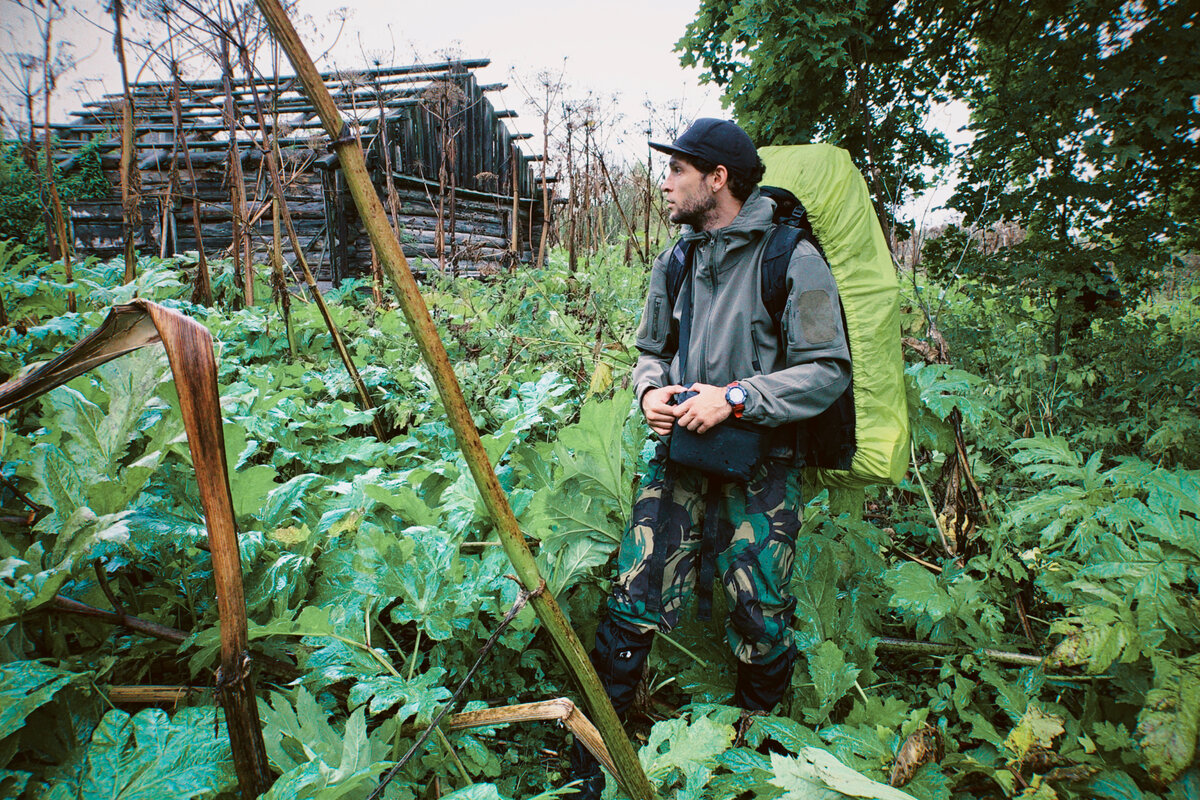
x,y
370,570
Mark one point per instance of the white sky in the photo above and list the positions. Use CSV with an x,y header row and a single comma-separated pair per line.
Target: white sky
x,y
621,47
621,51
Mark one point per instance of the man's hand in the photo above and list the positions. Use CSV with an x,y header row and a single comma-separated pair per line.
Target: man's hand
x,y
656,406
704,411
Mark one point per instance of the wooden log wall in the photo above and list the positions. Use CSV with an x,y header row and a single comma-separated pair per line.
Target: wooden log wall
x,y
424,107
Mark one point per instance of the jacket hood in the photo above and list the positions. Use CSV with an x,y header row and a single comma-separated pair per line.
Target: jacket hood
x,y
754,217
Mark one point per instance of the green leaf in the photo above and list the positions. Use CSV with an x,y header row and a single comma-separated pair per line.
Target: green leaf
x,y
832,678
479,791
1168,724
61,487
788,732
403,501
916,592
151,756
863,741
1036,729
318,761
1095,640
817,775
593,449
251,487
1115,786
296,734
282,500
578,533
679,748
421,697
25,686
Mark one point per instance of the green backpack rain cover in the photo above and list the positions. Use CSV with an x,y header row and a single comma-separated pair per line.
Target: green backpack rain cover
x,y
839,207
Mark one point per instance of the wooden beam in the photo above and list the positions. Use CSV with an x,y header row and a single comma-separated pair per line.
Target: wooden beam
x,y
433,67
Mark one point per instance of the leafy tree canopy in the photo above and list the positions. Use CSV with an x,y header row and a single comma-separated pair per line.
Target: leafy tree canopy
x,y
1086,119
1085,113
863,75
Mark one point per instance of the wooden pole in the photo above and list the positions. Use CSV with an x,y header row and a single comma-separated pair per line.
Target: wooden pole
x,y
130,211
515,245
629,769
285,215
572,255
237,183
202,287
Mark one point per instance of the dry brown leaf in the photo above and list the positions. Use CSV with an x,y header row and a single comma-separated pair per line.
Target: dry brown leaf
x,y
922,747
189,349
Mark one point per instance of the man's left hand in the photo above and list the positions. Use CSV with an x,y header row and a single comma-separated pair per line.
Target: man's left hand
x,y
704,411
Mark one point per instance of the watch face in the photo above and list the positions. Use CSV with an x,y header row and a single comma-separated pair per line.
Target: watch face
x,y
736,395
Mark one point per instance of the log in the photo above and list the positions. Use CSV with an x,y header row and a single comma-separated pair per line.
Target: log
x,y
154,695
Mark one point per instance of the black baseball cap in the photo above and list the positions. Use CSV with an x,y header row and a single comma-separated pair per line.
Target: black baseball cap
x,y
717,140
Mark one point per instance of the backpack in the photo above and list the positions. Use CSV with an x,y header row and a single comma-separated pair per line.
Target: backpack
x,y
826,441
839,208
862,439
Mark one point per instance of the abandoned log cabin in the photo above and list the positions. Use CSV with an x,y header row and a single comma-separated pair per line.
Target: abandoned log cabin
x,y
451,174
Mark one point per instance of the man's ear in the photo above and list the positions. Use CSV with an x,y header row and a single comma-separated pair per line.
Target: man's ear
x,y
719,177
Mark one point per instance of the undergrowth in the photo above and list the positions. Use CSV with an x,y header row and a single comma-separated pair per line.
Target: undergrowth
x,y
372,570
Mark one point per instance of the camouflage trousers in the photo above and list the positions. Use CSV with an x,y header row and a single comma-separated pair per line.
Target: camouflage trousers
x,y
754,550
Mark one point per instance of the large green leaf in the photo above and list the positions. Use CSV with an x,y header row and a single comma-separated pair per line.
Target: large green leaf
x,y
151,756
420,697
917,593
593,449
24,687
318,761
1169,723
687,749
281,501
832,678
817,775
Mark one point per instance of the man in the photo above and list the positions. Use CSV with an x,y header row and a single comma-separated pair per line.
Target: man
x,y
741,364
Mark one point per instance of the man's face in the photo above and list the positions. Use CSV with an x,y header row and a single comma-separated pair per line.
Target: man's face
x,y
690,199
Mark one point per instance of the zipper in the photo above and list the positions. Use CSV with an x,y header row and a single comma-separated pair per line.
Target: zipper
x,y
656,319
712,279
757,362
785,323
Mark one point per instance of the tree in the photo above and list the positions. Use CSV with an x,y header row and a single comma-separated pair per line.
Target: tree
x,y
1086,127
1085,120
862,75
1084,112
1087,134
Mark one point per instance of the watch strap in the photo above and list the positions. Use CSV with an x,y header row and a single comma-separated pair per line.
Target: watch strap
x,y
738,408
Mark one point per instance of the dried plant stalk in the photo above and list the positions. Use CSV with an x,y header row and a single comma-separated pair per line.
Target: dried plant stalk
x,y
560,710
190,352
628,769
126,695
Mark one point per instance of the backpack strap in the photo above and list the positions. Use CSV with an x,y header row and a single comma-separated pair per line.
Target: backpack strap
x,y
777,254
791,226
826,441
678,266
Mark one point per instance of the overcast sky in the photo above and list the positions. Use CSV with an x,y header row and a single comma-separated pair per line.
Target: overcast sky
x,y
621,49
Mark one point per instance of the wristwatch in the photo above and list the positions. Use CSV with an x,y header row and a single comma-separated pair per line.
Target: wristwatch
x,y
736,396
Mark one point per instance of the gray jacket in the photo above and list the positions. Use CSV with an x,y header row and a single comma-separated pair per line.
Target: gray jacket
x,y
804,367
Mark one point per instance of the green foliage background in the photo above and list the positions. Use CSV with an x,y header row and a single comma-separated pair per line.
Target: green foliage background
x,y
22,190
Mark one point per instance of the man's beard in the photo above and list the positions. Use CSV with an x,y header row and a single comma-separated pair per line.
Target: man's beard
x,y
695,213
